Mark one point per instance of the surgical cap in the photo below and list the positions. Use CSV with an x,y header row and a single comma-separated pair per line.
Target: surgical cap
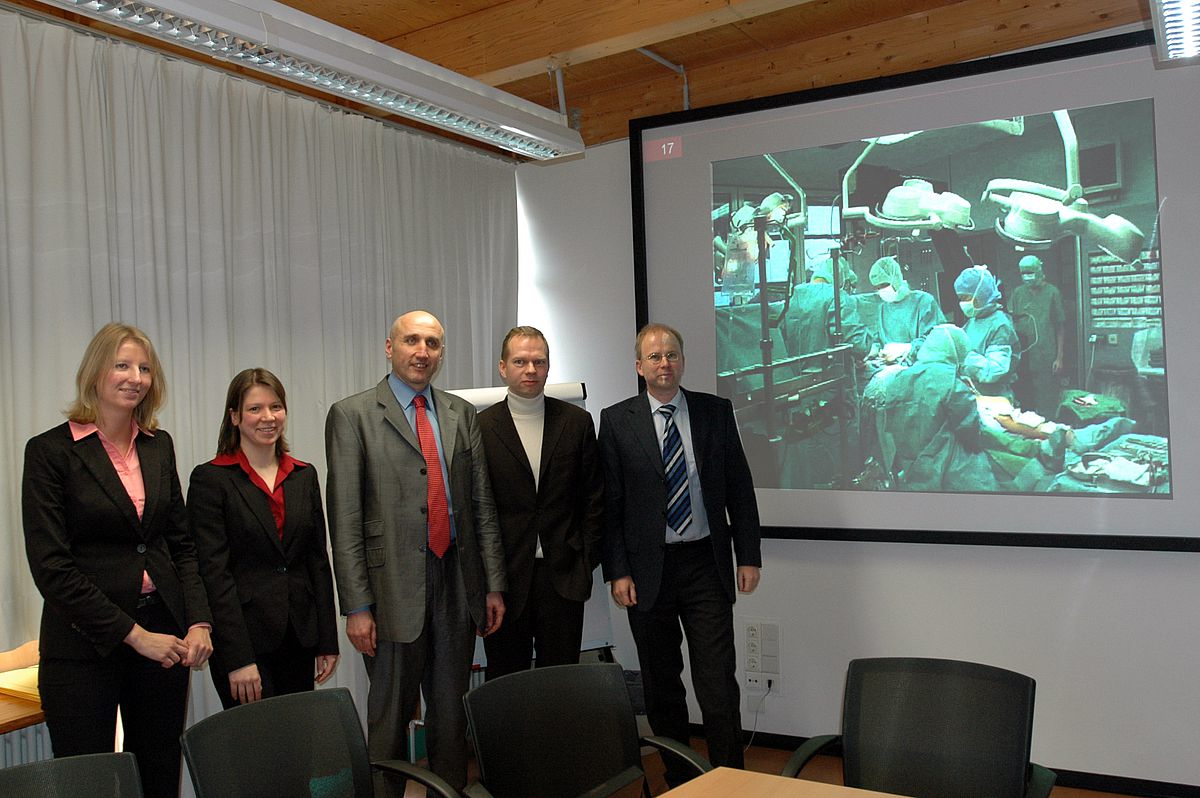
x,y
946,343
887,271
824,269
1029,263
978,282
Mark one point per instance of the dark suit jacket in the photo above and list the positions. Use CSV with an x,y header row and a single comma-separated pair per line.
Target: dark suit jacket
x,y
256,582
565,509
87,548
635,491
376,500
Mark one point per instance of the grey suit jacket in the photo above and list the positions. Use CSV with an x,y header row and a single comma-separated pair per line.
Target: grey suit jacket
x,y
376,505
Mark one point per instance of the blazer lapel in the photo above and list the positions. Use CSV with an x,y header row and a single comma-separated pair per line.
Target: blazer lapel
x,y
448,423
699,425
256,501
642,424
506,432
393,414
552,429
91,452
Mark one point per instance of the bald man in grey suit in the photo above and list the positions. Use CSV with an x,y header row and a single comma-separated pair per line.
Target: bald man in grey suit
x,y
411,609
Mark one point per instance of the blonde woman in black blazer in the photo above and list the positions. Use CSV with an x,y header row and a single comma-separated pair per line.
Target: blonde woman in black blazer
x,y
255,513
125,613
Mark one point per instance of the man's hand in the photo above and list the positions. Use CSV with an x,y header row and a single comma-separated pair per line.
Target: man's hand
x,y
245,684
747,578
495,613
325,666
360,628
624,592
199,647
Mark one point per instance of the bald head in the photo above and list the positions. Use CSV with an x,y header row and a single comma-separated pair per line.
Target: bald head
x,y
414,348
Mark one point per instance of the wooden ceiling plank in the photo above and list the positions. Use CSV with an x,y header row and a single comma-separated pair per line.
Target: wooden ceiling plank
x,y
521,38
967,30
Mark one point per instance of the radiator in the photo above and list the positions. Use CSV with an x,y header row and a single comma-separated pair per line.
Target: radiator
x,y
30,744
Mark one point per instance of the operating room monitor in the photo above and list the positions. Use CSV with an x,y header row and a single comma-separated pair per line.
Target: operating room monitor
x,y
932,320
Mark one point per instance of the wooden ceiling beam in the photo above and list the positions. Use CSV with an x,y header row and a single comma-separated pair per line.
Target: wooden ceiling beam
x,y
521,38
966,30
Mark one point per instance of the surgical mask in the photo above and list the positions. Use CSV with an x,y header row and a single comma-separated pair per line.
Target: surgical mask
x,y
968,308
888,294
1031,278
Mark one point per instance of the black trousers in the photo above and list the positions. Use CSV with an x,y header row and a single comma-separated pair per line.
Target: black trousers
x,y
80,699
291,668
693,602
548,623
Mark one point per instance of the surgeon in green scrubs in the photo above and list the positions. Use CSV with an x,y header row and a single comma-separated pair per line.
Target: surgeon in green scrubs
x,y
991,363
903,315
928,423
1037,312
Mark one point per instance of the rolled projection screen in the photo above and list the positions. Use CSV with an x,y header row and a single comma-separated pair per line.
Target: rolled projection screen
x,y
987,158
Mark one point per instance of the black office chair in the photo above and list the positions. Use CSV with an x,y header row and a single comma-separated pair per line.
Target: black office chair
x,y
91,775
303,745
560,732
935,728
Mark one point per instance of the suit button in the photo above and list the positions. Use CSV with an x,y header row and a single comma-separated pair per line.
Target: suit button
x,y
281,569
424,510
423,472
422,548
141,548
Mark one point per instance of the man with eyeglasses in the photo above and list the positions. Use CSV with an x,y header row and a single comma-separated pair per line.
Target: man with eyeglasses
x,y
679,508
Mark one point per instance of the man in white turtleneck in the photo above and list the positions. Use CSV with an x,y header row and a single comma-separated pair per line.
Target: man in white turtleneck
x,y
545,475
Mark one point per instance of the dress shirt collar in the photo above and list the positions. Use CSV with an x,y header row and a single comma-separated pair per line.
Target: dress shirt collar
x,y
81,431
405,394
678,400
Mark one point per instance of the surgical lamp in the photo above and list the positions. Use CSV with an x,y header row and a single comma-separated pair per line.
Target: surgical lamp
x,y
281,41
1036,215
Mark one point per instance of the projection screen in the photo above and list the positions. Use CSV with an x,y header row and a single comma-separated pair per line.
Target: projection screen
x,y
950,306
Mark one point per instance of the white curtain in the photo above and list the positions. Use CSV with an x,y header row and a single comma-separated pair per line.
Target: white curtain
x,y
238,226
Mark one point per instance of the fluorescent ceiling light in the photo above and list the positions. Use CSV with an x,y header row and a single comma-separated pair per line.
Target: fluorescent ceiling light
x,y
1176,30
294,46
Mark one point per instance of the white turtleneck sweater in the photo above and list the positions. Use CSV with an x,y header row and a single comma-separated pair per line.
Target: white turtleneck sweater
x,y
529,417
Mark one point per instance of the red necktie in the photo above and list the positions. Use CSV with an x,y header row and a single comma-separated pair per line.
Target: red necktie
x,y
435,486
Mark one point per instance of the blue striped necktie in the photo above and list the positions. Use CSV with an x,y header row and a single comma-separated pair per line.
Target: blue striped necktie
x,y
679,502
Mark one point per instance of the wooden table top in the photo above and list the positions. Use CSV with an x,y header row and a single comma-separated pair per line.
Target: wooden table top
x,y
17,713
725,782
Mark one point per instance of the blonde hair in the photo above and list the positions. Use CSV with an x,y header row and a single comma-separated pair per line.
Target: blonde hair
x,y
653,327
99,356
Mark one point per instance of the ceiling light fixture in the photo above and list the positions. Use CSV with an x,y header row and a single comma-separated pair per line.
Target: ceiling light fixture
x,y
1176,31
294,46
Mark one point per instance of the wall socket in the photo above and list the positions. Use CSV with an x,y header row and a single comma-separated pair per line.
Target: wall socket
x,y
761,662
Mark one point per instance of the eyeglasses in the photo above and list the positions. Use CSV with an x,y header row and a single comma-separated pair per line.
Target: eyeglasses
x,y
658,357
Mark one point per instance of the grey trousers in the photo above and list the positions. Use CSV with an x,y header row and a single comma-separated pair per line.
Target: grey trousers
x,y
436,664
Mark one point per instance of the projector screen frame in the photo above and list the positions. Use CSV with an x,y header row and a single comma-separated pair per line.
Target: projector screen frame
x,y
640,130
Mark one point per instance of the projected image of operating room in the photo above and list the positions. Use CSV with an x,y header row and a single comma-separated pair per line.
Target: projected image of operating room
x,y
968,309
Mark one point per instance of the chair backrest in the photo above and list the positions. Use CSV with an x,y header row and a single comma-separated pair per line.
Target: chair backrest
x,y
90,775
303,745
935,728
553,732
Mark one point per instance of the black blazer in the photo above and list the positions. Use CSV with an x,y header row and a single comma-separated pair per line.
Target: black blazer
x,y
256,582
635,491
87,548
566,508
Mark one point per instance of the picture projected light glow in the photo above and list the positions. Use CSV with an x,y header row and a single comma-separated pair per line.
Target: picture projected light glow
x,y
861,423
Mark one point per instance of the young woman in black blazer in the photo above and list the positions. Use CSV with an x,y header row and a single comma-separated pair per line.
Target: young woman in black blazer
x,y
125,614
255,514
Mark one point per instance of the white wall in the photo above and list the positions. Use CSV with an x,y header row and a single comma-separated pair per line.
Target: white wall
x,y
1111,637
